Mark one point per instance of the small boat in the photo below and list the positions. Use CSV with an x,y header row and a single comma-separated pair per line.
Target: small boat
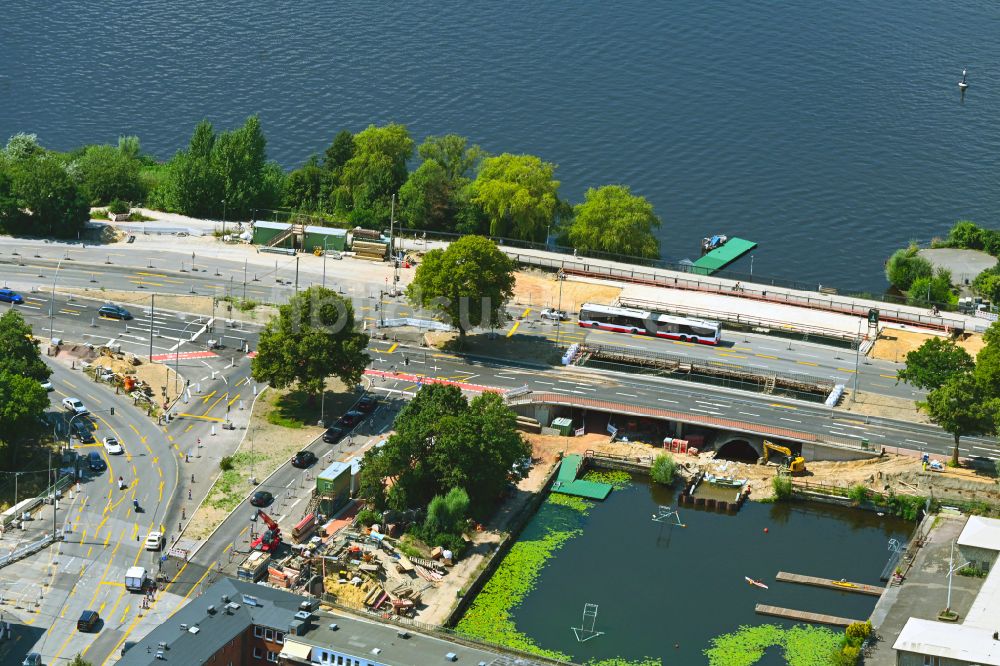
x,y
725,481
964,83
755,582
713,243
844,583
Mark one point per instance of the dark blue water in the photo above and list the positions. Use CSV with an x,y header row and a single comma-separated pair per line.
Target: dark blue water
x,y
830,133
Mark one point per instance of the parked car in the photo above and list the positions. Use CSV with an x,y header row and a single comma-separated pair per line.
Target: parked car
x,y
333,435
113,446
83,431
75,405
554,315
47,385
154,541
89,621
32,659
112,311
261,498
303,459
367,404
10,296
350,419
96,462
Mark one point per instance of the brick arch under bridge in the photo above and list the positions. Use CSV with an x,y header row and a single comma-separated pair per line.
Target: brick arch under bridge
x,y
738,446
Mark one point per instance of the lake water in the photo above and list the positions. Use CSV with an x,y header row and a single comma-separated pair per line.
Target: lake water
x,y
831,133
657,586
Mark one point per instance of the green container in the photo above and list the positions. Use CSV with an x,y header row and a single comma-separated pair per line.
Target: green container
x,y
564,426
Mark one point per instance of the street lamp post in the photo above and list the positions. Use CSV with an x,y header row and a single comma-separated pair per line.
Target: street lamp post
x,y
223,218
562,278
52,299
952,568
857,364
324,261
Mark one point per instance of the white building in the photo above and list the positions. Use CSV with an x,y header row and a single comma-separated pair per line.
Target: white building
x,y
976,641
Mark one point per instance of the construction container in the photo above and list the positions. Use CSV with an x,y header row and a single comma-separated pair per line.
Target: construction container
x,y
328,238
563,425
264,232
254,567
333,487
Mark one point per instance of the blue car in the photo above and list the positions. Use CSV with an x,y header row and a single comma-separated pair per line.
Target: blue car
x,y
10,296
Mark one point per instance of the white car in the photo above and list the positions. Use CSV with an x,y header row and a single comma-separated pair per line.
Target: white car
x,y
47,385
74,405
553,314
154,541
113,446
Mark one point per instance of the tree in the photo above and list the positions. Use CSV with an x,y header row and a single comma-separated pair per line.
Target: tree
x,y
905,266
22,403
313,337
470,283
239,157
377,170
663,469
987,371
19,353
22,147
339,152
612,219
78,660
426,199
518,194
304,187
927,291
55,204
194,187
447,514
933,363
966,234
106,173
453,153
10,212
957,406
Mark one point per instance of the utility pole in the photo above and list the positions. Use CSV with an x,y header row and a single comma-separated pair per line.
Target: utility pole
x,y
324,261
52,299
857,365
223,218
562,278
152,306
53,487
296,273
392,245
244,279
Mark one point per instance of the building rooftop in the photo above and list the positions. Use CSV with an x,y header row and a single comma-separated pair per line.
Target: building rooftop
x,y
334,470
194,634
967,644
265,224
326,231
985,611
981,532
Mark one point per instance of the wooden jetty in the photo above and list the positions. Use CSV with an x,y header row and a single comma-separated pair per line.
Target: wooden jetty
x,y
829,584
803,616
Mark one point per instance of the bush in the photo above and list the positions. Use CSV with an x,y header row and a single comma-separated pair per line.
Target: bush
x,y
848,656
857,632
782,487
926,291
226,463
118,207
367,517
663,469
971,572
857,493
905,266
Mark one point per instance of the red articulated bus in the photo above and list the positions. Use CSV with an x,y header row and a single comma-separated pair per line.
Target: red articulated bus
x,y
644,322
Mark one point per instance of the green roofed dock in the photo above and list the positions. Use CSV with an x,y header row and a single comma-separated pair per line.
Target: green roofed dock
x,y
567,483
722,256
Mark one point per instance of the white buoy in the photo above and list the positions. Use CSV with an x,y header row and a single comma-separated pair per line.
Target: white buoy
x,y
964,83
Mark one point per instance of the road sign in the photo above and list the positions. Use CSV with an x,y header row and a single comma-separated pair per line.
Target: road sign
x,y
873,317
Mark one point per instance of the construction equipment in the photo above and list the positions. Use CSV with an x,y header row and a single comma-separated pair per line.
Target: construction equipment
x,y
270,539
791,463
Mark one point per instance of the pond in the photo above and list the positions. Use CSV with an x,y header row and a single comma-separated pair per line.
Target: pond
x,y
664,592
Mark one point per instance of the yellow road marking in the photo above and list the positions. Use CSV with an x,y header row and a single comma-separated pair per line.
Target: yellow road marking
x,y
732,355
774,404
217,401
207,397
68,384
766,356
150,274
230,403
513,329
806,363
134,429
847,370
889,376
525,313
189,427
392,348
201,417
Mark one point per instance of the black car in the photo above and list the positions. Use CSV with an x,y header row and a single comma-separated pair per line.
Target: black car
x,y
303,459
83,431
350,419
112,311
367,404
261,498
96,462
89,621
333,435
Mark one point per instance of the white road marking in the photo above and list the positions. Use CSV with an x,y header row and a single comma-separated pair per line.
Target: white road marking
x,y
749,414
665,400
792,420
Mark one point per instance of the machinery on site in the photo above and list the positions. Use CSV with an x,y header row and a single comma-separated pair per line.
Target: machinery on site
x,y
269,539
790,463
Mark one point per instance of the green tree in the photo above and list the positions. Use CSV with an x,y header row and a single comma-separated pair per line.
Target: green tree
x,y
426,200
928,291
22,147
905,266
314,336
987,284
106,173
19,353
193,186
663,469
612,219
57,207
22,403
304,187
10,212
454,154
339,152
987,371
239,156
377,170
957,406
78,660
447,514
470,283
130,147
933,363
966,234
518,194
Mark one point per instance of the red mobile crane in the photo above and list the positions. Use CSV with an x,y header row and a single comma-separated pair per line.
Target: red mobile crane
x,y
270,539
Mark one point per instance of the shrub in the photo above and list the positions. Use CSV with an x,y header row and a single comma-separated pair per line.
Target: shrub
x,y
663,469
928,290
367,517
782,487
857,632
848,656
905,266
971,572
857,493
118,207
226,463
966,235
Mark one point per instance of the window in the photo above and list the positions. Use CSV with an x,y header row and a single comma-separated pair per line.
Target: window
x,y
272,656
269,634
258,631
931,661
257,654
279,637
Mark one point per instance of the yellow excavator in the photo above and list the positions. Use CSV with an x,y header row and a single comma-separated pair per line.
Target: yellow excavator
x,y
791,463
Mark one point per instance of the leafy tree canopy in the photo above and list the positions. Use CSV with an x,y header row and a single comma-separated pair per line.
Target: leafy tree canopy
x,y
935,362
958,407
426,200
905,266
106,173
612,219
470,283
928,291
239,156
518,194
453,154
55,205
21,147
313,337
339,152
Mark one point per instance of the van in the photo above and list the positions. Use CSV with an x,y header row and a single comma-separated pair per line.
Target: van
x,y
88,622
